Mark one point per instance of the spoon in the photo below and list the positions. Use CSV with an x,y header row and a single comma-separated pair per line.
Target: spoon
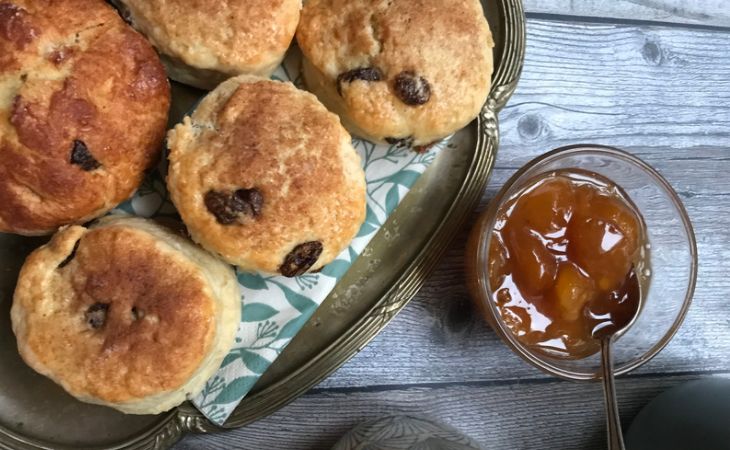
x,y
611,324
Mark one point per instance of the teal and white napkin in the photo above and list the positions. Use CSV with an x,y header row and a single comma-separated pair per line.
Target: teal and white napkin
x,y
275,307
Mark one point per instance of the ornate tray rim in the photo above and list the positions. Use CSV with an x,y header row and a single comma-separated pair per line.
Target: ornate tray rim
x,y
187,419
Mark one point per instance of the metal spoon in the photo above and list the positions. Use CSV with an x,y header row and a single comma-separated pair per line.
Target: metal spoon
x,y
630,298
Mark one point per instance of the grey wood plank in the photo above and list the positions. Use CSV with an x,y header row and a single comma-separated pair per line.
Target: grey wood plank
x,y
627,86
550,415
705,12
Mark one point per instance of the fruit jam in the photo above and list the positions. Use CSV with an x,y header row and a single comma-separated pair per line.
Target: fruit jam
x,y
565,262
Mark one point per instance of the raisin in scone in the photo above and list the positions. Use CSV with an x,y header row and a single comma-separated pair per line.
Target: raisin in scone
x,y
263,175
83,110
126,314
203,42
398,71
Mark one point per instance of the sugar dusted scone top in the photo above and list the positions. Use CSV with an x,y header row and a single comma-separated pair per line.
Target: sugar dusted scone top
x,y
445,42
125,314
273,141
203,42
73,78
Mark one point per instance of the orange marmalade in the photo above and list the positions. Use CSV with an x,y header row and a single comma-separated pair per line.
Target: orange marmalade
x,y
563,261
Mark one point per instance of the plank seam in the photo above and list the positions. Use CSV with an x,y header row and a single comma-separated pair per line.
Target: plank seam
x,y
622,22
501,382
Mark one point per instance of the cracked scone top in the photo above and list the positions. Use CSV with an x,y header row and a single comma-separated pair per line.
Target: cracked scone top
x,y
125,314
398,71
83,110
263,175
203,42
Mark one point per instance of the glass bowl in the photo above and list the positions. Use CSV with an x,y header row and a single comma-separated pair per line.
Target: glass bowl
x,y
672,258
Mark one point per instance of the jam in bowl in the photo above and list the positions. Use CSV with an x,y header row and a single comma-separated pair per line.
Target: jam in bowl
x,y
565,259
576,243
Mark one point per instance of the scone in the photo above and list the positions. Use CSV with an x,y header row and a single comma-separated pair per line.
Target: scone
x,y
203,42
263,175
126,314
398,71
83,110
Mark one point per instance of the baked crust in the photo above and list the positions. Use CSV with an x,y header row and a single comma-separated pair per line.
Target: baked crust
x,y
83,110
447,43
256,134
203,42
125,314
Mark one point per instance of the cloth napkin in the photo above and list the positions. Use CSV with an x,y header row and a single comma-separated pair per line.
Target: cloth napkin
x,y
275,308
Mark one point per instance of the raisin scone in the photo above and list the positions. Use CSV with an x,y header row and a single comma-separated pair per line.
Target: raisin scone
x,y
84,101
398,71
263,175
203,42
126,314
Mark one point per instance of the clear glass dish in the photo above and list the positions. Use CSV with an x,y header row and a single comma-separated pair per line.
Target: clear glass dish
x,y
673,259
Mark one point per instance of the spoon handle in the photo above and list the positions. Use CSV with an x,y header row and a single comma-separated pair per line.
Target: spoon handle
x,y
613,421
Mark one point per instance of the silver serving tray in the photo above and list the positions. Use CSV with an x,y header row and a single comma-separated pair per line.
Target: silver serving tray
x,y
35,413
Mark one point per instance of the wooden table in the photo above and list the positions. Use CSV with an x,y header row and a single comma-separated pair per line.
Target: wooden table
x,y
649,76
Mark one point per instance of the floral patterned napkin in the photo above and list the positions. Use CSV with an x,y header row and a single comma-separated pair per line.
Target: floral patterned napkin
x,y
275,307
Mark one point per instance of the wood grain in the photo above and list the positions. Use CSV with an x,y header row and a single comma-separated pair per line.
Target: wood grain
x,y
662,93
705,12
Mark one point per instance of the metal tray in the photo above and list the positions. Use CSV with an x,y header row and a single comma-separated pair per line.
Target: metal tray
x,y
35,413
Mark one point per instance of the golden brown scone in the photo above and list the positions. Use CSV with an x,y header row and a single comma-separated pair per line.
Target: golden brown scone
x,y
203,42
266,177
125,314
83,111
398,71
